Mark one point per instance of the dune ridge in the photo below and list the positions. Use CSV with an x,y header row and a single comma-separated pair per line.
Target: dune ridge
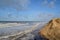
x,y
51,30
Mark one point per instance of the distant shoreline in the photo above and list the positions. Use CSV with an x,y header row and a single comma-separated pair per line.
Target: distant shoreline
x,y
19,21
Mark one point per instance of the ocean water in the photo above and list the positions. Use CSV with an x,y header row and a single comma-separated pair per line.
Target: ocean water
x,y
20,28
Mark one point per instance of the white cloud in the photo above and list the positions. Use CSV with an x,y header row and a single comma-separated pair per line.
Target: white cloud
x,y
17,4
50,4
45,2
54,0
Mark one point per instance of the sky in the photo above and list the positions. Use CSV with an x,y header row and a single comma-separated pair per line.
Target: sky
x,y
29,10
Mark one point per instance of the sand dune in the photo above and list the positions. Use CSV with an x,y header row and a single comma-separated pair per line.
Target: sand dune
x,y
52,30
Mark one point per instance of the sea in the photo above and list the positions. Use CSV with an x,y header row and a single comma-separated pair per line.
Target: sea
x,y
5,31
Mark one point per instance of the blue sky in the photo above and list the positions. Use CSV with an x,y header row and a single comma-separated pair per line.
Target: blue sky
x,y
29,10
